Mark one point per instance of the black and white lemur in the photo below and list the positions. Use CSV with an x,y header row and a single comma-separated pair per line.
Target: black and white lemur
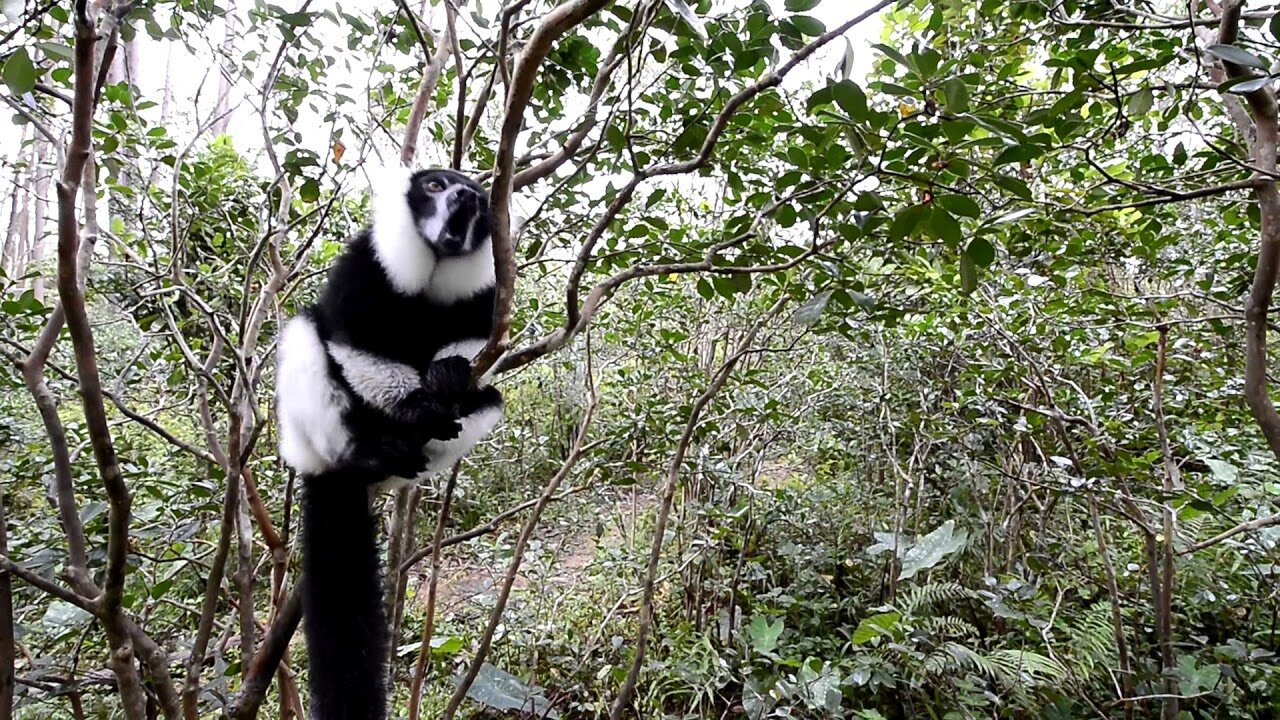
x,y
373,389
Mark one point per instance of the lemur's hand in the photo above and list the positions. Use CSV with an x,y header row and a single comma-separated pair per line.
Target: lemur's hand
x,y
448,378
452,376
431,416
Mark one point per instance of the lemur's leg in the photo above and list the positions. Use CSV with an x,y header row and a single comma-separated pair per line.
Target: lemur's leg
x,y
311,403
480,410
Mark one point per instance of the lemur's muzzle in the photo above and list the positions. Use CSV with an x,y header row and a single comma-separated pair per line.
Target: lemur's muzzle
x,y
466,206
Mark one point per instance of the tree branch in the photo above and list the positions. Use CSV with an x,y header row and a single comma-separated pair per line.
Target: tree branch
x,y
1263,104
72,297
553,25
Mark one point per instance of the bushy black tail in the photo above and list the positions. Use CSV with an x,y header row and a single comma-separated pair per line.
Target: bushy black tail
x,y
346,629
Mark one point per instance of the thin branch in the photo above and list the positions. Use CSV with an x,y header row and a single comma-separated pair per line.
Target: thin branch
x,y
244,705
426,90
428,624
212,593
1244,527
718,381
517,552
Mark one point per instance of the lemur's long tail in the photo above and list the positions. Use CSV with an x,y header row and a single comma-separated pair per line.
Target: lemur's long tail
x,y
346,628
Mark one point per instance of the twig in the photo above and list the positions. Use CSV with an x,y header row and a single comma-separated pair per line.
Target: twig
x,y
426,89
244,705
1244,527
428,624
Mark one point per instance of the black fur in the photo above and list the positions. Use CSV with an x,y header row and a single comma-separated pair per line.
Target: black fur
x,y
345,627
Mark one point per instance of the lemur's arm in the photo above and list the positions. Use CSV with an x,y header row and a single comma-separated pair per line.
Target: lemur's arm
x,y
400,391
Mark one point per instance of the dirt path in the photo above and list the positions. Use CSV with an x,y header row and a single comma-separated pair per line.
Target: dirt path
x,y
464,580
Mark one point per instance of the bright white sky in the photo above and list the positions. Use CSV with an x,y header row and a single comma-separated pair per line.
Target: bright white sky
x,y
193,77
247,135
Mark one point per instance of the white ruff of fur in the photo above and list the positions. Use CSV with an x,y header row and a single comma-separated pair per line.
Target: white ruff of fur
x,y
468,349
398,246
378,381
310,405
463,277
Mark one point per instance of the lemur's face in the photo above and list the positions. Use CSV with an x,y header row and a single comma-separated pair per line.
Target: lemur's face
x,y
450,210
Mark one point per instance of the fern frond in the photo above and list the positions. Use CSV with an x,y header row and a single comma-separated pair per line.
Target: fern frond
x,y
1025,668
920,597
947,626
1092,642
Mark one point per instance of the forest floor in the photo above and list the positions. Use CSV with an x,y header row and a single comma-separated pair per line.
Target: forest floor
x,y
466,578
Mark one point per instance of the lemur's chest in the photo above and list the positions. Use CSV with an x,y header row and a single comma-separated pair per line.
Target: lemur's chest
x,y
413,329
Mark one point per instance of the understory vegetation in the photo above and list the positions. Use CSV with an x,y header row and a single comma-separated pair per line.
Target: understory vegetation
x,y
866,360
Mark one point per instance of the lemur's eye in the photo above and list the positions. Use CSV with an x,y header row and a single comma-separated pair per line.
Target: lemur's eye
x,y
433,186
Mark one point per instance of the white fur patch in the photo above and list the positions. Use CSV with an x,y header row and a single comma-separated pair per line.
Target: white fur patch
x,y
444,453
459,278
468,349
400,250
378,381
309,404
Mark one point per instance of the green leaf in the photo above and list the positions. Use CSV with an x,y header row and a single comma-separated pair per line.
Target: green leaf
x,y
63,615
705,289
801,5
1140,102
960,205
681,8
945,227
957,94
981,251
1013,185
850,98
56,51
906,222
1233,54
968,275
310,190
875,626
764,633
1224,472
448,645
500,690
809,313
298,19
159,589
809,26
19,73
932,549
1274,26
1244,85
892,54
